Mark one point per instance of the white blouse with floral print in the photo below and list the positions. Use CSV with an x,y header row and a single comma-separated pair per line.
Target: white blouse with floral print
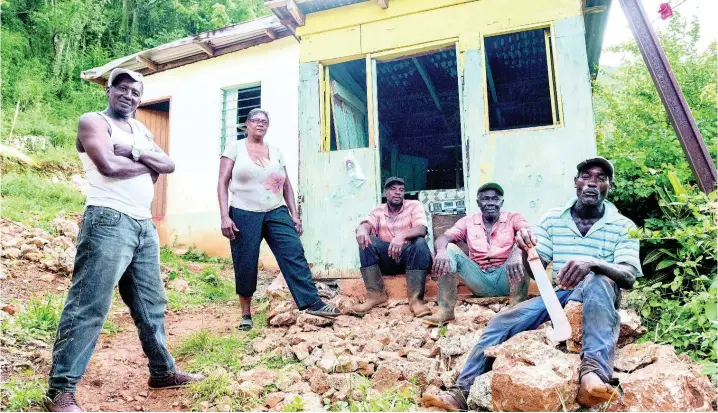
x,y
253,187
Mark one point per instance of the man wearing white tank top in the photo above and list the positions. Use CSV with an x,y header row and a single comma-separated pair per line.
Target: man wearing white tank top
x,y
117,245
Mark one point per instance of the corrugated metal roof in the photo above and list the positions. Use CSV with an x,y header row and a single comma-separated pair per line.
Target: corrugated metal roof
x,y
321,5
189,49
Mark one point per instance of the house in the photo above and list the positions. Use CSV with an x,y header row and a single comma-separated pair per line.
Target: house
x,y
198,91
448,94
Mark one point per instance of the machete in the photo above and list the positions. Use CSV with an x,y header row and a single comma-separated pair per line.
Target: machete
x,y
561,327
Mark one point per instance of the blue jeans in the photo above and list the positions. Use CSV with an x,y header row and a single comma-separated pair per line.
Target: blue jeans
x,y
601,323
112,249
277,228
414,256
489,282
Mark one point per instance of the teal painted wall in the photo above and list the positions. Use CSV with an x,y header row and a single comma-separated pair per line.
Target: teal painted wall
x,y
535,167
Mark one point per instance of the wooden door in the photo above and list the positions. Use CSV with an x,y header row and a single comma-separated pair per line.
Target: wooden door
x,y
157,122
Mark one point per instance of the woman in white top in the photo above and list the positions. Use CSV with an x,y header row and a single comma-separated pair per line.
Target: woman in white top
x,y
259,208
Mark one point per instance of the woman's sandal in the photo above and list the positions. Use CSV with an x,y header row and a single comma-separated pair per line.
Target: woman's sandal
x,y
327,311
245,325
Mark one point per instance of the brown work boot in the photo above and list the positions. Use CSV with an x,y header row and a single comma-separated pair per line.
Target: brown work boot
x,y
415,284
174,380
446,299
375,293
451,401
62,402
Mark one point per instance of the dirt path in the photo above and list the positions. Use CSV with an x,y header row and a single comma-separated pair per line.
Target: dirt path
x,y
116,379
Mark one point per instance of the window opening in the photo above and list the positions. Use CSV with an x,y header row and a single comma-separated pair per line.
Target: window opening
x,y
236,104
520,80
345,106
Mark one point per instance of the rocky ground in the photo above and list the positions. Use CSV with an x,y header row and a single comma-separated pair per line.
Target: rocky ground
x,y
383,361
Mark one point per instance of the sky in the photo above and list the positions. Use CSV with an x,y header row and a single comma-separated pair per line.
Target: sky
x,y
617,30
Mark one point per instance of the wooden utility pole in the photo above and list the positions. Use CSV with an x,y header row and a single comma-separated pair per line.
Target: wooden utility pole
x,y
670,92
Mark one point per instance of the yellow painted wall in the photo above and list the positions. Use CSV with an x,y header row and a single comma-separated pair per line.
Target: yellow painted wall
x,y
366,28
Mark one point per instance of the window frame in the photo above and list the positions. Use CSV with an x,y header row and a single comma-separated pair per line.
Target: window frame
x,y
553,77
224,93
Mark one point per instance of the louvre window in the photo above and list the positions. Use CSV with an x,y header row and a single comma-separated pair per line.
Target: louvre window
x,y
236,104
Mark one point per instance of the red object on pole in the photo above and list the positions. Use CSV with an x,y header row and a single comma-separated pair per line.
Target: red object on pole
x,y
670,92
665,10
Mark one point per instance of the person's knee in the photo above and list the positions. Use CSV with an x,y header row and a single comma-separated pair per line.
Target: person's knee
x,y
370,255
420,255
598,283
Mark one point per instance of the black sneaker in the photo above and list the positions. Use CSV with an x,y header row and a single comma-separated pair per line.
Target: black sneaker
x,y
62,402
174,380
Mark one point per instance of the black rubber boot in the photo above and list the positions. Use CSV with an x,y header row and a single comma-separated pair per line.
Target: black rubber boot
x,y
446,300
519,292
415,285
375,293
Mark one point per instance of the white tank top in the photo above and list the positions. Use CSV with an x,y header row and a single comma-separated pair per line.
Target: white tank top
x,y
131,196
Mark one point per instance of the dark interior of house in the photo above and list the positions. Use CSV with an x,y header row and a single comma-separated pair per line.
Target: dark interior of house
x,y
518,80
419,118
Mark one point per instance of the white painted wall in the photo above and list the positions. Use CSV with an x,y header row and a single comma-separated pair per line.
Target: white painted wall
x,y
195,91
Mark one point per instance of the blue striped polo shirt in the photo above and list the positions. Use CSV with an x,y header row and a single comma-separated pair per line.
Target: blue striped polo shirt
x,y
559,239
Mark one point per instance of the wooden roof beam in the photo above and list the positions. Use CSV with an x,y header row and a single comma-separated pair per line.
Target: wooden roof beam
x,y
206,48
428,82
295,12
154,67
290,25
270,33
384,4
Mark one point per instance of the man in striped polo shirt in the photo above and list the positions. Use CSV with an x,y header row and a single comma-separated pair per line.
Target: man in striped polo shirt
x,y
593,257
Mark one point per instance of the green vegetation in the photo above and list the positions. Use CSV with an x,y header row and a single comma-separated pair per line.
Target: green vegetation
x,y
634,131
195,255
38,320
214,387
19,395
47,44
677,297
35,200
297,405
401,399
205,351
204,288
679,303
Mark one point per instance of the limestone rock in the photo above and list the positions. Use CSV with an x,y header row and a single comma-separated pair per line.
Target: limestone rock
x,y
284,319
318,381
327,362
634,356
666,387
301,351
287,377
346,364
373,346
631,328
480,393
179,285
249,389
12,253
66,227
273,399
308,319
260,376
385,378
530,374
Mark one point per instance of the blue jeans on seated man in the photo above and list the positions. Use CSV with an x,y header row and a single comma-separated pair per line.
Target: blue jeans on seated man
x,y
601,323
414,256
113,249
489,282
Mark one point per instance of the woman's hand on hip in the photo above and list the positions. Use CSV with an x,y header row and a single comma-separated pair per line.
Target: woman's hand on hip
x,y
228,228
298,225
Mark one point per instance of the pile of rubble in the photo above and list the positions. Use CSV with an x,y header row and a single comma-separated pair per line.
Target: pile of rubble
x,y
54,253
392,349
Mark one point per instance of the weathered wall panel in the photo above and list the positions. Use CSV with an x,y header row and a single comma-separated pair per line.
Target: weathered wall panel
x,y
332,201
331,45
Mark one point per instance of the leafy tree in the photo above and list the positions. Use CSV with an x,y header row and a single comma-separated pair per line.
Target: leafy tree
x,y
633,128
